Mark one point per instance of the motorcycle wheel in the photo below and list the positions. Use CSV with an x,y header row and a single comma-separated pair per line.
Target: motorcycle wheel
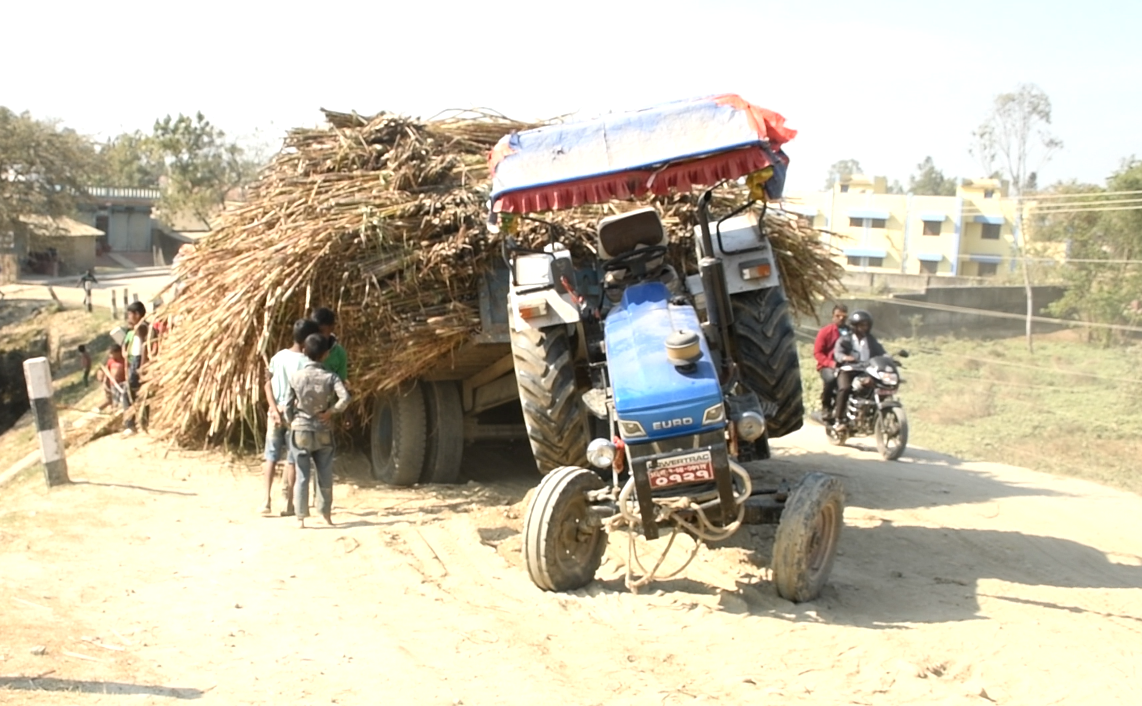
x,y
892,433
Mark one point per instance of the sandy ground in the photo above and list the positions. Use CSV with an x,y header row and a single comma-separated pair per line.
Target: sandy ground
x,y
154,580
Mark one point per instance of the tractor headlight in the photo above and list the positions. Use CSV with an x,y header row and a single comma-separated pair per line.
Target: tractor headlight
x,y
751,426
631,430
601,453
714,414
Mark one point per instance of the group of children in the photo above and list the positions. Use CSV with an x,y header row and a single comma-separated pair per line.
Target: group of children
x,y
120,373
305,387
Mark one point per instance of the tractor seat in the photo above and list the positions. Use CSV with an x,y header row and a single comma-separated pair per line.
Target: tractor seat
x,y
624,232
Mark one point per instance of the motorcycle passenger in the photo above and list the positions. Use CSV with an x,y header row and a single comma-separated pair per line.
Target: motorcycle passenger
x,y
823,348
857,345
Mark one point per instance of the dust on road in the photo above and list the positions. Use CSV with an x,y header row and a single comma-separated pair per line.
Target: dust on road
x,y
154,580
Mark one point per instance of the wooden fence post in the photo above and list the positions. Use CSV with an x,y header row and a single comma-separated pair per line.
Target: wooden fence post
x,y
38,375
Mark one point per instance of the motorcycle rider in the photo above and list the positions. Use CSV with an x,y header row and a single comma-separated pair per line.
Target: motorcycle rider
x,y
857,345
823,348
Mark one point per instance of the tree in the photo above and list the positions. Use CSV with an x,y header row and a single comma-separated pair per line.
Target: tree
x,y
44,167
200,165
843,168
895,187
930,181
1105,246
131,160
1014,141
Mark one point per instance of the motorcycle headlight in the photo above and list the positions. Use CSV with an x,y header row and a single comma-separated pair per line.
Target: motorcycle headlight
x,y
889,378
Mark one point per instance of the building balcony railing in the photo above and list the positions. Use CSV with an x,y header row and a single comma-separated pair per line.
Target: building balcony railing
x,y
118,192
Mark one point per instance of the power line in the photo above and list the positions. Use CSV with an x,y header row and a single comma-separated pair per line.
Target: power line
x,y
1092,194
1016,317
1060,204
1091,209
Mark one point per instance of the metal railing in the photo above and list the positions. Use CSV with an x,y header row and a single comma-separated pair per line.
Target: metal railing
x,y
117,192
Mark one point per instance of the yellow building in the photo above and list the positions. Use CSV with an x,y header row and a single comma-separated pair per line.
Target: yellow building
x,y
971,234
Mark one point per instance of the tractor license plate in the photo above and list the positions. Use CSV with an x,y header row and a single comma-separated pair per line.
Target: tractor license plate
x,y
694,467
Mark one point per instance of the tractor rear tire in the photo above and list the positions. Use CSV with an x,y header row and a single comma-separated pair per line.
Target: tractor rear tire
x,y
552,410
397,438
561,549
765,337
807,537
445,435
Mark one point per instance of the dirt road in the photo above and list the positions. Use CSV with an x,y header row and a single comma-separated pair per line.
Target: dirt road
x,y
153,580
147,283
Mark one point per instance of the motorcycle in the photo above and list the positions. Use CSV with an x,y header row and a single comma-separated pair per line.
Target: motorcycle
x,y
873,408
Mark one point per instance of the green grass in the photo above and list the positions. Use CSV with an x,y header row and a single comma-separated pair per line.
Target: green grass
x,y
1069,409
66,331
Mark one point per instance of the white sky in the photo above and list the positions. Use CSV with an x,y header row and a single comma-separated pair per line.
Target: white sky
x,y
884,82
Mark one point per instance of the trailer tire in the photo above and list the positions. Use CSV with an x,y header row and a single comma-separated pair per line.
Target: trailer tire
x,y
767,347
552,410
561,550
444,446
805,544
397,437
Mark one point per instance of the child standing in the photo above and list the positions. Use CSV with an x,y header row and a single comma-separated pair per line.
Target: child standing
x,y
284,363
135,344
85,362
316,394
114,377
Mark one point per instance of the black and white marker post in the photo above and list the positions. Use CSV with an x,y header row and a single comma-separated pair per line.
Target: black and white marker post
x,y
38,375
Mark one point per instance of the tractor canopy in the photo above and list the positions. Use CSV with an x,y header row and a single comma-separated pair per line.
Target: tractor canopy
x,y
672,147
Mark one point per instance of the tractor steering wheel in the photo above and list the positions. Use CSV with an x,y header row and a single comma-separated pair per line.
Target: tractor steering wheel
x,y
635,261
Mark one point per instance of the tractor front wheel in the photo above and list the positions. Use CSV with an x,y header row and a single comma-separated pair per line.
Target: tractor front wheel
x,y
562,547
807,537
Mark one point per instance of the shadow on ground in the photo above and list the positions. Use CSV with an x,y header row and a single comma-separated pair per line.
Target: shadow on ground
x,y
95,687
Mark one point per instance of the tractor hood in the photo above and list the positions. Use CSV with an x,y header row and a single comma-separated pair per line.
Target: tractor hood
x,y
664,400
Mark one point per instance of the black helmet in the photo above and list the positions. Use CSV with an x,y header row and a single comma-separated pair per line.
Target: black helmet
x,y
860,316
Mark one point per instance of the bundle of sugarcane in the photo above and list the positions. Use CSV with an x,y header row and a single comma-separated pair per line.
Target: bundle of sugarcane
x,y
382,220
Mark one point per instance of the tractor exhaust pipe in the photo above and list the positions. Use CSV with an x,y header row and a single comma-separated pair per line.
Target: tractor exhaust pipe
x,y
713,274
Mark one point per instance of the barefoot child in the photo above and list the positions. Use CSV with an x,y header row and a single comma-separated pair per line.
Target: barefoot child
x,y
85,363
114,377
316,394
284,363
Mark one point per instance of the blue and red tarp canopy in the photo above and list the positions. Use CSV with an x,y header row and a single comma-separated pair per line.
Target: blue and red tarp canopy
x,y
670,147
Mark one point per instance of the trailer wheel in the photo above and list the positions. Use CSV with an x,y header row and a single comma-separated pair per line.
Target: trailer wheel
x,y
444,447
397,438
552,411
763,331
561,548
807,537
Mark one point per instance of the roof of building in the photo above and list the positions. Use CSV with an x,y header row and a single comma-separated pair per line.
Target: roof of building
x,y
60,226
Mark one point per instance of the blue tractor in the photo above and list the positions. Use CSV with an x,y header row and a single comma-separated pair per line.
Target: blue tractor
x,y
644,391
